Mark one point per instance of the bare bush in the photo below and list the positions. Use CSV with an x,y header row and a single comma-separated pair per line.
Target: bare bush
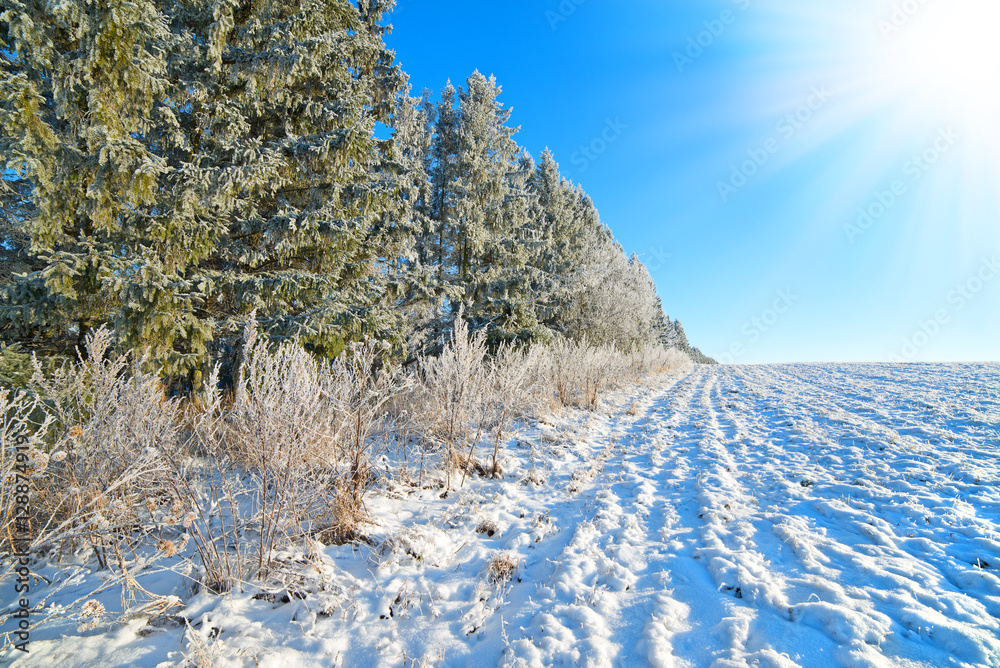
x,y
451,395
577,372
465,394
289,453
304,433
509,393
362,386
650,360
282,431
208,496
105,459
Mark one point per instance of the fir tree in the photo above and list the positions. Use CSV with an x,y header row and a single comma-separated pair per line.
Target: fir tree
x,y
174,165
85,96
282,111
559,255
661,326
484,249
15,212
192,161
676,338
701,358
443,171
481,208
417,273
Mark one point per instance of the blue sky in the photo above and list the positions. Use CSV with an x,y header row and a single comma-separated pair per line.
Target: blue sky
x,y
804,183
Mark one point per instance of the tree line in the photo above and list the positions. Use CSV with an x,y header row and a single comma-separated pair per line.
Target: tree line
x,y
172,166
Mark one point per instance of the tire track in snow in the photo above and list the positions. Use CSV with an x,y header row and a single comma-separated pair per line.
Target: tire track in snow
x,y
729,549
694,615
577,620
658,612
703,493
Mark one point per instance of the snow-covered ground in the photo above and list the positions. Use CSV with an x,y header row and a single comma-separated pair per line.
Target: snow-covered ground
x,y
813,515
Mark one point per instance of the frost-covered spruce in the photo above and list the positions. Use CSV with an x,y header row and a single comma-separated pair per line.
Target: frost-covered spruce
x,y
192,161
416,276
488,209
86,120
559,259
282,109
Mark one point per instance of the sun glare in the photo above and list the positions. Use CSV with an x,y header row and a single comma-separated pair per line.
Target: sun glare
x,y
949,52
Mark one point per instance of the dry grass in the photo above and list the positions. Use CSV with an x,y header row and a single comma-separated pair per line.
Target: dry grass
x,y
488,527
100,428
578,372
21,456
501,568
290,453
450,397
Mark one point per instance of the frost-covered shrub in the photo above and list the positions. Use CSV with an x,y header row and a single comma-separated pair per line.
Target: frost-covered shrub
x,y
282,429
306,432
501,568
21,453
361,388
648,360
576,372
107,426
510,391
467,395
451,398
579,371
289,453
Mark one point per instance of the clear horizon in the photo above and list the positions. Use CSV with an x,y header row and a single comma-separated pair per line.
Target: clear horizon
x,y
804,184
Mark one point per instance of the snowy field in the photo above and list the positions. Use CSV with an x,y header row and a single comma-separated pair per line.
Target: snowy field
x,y
812,515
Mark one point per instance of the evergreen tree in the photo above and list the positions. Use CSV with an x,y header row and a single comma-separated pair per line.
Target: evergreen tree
x,y
443,177
676,338
588,310
559,253
484,249
84,92
191,161
171,166
640,306
701,358
481,209
613,299
282,111
417,272
15,212
661,325
514,292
